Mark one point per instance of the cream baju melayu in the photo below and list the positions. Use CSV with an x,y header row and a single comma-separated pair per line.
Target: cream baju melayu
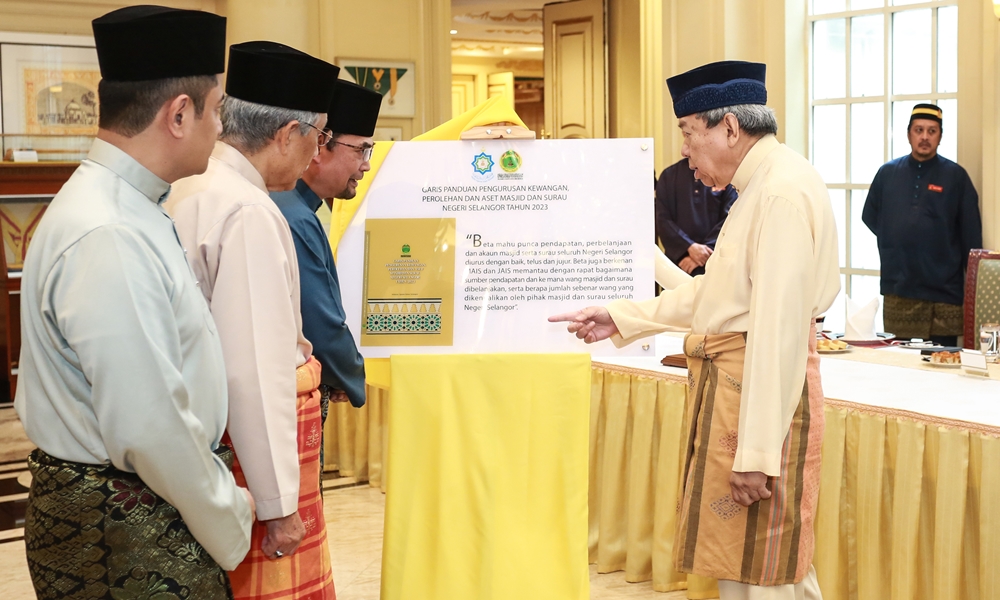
x,y
773,271
241,249
120,360
242,253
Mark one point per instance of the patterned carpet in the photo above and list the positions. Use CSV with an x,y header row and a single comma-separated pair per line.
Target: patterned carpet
x,y
14,444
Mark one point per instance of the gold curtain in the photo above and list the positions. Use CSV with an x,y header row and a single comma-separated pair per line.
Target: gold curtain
x,y
905,511
355,439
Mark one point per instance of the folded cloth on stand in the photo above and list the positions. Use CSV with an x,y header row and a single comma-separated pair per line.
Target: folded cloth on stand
x,y
861,320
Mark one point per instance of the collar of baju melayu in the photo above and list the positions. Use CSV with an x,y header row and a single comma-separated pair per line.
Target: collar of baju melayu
x,y
235,160
752,160
307,195
121,164
914,163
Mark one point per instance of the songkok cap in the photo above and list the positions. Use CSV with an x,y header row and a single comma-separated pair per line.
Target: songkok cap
x,y
926,111
140,43
277,75
354,110
719,84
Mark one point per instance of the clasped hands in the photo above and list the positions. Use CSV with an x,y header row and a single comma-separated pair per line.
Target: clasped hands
x,y
697,256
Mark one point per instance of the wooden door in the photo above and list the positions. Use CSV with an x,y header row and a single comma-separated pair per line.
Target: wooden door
x,y
463,93
501,84
575,70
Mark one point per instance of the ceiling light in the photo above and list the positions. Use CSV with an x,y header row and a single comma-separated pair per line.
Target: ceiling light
x,y
455,31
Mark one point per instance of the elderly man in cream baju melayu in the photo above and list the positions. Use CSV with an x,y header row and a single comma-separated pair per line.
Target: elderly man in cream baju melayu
x,y
241,250
755,408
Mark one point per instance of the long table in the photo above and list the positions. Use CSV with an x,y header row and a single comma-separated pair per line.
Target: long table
x,y
911,466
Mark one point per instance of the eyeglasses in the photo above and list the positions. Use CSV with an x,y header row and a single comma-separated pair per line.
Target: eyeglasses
x,y
322,137
366,150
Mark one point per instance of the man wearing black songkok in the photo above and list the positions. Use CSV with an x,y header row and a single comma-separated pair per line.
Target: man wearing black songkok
x,y
333,173
122,384
241,250
924,211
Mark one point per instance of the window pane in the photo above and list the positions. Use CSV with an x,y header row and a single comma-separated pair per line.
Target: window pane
x,y
947,66
839,202
949,129
863,289
867,66
829,142
835,315
905,2
820,7
829,59
900,119
911,52
864,247
867,140
862,4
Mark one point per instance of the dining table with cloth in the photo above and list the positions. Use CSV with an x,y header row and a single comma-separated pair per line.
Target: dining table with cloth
x,y
908,472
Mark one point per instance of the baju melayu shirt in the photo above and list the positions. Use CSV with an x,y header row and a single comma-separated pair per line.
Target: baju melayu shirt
x,y
120,359
242,252
323,320
773,271
688,211
926,218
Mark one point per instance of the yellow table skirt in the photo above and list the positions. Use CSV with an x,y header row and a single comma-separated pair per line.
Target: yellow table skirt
x,y
905,512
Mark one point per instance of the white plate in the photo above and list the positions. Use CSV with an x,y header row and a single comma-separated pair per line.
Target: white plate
x,y
841,351
941,365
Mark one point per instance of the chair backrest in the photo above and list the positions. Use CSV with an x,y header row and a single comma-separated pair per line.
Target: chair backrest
x,y
982,293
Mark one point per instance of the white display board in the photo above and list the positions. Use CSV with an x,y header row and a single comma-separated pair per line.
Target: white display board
x,y
468,246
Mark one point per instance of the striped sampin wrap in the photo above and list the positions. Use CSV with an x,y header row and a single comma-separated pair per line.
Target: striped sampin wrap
x,y
771,542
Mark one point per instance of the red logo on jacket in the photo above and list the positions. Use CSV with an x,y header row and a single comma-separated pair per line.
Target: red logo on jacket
x,y
934,188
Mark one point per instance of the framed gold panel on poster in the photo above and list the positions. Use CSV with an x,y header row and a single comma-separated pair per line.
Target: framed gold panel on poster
x,y
409,282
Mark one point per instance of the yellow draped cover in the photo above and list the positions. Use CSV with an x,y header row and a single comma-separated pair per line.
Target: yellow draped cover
x,y
487,478
906,502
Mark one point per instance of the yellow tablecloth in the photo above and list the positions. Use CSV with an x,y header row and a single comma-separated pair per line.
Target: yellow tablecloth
x,y
906,504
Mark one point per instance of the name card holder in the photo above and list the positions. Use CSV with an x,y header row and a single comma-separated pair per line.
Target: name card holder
x,y
974,363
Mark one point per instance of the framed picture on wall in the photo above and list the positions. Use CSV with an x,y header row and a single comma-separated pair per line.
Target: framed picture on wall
x,y
48,84
393,79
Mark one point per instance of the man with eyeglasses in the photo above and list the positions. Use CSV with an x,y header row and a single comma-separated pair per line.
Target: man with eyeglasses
x,y
333,173
241,251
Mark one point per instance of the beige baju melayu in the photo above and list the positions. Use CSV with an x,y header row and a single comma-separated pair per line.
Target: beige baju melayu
x,y
243,257
773,271
241,250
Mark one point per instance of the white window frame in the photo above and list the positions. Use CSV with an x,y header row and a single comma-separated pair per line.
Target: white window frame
x,y
887,98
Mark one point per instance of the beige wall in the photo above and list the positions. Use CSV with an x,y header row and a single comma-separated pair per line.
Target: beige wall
x,y
775,32
650,41
405,30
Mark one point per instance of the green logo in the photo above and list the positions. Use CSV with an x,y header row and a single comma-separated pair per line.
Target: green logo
x,y
510,161
406,248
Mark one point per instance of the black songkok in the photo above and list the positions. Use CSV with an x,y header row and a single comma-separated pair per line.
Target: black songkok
x,y
278,75
354,110
926,111
717,85
140,43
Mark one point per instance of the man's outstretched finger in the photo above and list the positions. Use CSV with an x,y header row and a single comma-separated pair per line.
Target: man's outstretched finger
x,y
570,316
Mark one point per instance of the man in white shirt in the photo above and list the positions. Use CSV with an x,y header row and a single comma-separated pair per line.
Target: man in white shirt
x,y
241,250
122,383
756,406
